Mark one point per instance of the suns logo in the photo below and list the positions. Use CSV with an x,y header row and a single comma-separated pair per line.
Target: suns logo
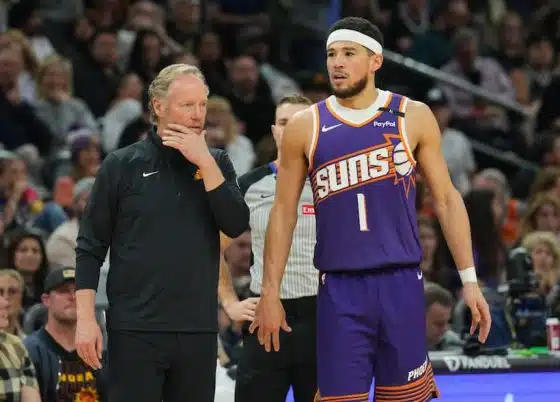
x,y
402,162
88,394
389,160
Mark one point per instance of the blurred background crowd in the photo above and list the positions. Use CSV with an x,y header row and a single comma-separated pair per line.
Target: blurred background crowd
x,y
73,80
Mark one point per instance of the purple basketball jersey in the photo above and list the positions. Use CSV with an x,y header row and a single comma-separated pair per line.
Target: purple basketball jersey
x,y
363,178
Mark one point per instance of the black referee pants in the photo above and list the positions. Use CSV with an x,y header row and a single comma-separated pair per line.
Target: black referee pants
x,y
161,366
267,376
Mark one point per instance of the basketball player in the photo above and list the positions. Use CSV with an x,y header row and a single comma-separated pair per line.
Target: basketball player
x,y
261,373
360,148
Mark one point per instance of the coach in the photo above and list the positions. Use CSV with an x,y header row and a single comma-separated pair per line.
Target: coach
x,y
159,205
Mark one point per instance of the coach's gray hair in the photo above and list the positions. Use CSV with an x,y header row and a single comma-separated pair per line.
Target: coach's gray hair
x,y
160,85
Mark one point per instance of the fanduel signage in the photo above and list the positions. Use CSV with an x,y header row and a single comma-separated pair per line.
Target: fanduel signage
x,y
458,363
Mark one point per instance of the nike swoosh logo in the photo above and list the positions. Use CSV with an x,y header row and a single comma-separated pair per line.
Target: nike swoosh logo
x,y
149,174
419,275
267,195
324,129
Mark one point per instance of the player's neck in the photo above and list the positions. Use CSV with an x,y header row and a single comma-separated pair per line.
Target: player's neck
x,y
361,101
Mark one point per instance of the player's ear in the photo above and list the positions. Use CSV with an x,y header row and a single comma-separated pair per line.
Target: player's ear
x,y
375,62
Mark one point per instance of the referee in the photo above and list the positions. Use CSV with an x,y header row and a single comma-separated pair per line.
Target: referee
x,y
264,376
159,205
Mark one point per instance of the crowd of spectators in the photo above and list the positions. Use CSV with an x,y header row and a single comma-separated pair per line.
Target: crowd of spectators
x,y
73,80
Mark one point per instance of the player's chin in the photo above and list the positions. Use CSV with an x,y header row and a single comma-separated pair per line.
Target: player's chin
x,y
339,82
343,92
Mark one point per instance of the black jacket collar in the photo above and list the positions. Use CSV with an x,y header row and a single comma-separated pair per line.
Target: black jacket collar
x,y
169,153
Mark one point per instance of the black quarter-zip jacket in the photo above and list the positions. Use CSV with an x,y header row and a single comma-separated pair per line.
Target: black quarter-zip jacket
x,y
150,207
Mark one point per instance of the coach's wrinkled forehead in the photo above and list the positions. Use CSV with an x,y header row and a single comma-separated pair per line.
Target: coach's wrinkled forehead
x,y
349,35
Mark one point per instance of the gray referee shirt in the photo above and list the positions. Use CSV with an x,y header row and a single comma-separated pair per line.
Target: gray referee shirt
x,y
300,278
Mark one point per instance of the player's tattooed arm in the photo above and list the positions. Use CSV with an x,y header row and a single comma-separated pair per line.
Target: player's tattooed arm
x,y
292,171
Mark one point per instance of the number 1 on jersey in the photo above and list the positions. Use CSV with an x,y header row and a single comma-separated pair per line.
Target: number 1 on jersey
x,y
362,212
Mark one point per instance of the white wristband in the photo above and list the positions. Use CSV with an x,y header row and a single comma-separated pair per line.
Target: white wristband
x,y
468,275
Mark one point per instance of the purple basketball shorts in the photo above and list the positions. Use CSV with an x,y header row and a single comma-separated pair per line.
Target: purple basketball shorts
x,y
372,325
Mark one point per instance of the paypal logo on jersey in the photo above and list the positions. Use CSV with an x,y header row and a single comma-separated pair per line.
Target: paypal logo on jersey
x,y
384,124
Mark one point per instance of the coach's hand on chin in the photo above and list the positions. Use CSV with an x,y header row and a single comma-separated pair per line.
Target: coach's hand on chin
x,y
190,142
270,317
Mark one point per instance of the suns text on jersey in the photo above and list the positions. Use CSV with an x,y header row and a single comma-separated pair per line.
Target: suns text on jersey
x,y
353,170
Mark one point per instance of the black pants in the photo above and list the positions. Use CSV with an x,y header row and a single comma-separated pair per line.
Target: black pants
x,y
267,376
156,366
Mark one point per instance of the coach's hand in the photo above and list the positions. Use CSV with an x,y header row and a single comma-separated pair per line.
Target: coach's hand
x,y
190,143
89,342
270,317
242,310
480,311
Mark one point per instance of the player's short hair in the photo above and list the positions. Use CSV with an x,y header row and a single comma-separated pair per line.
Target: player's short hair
x,y
160,85
295,100
434,293
360,25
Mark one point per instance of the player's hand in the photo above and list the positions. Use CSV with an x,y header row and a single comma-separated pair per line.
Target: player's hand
x,y
242,310
480,311
89,342
270,317
190,143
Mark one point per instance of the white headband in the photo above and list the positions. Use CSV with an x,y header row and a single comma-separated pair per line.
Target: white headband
x,y
348,35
